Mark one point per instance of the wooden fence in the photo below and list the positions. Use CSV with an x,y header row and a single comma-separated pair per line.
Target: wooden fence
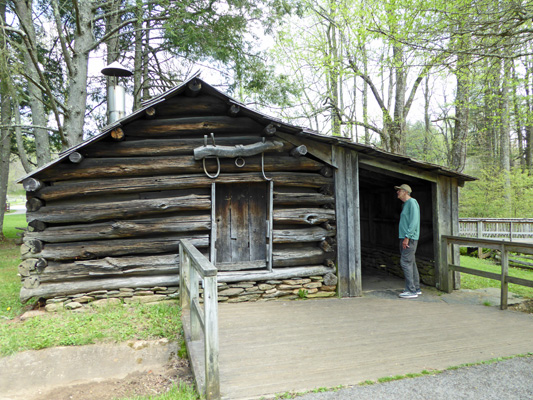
x,y
447,243
497,228
200,325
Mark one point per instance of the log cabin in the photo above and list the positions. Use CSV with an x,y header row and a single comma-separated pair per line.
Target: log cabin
x,y
280,210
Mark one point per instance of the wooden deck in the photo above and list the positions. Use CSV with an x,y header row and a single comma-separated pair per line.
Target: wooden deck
x,y
275,347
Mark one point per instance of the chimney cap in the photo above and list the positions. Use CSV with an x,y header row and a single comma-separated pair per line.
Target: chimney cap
x,y
115,69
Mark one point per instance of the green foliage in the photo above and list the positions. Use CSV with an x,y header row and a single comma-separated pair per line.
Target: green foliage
x,y
486,198
302,294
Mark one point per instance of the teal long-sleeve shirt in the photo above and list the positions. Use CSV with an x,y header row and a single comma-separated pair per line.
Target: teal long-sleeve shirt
x,y
410,220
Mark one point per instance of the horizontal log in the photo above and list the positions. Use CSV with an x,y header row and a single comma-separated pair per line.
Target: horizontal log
x,y
123,210
108,267
31,282
50,290
299,151
240,265
32,184
92,168
117,134
302,199
186,106
276,274
33,204
237,150
32,266
113,248
162,147
36,226
192,125
75,157
122,229
309,216
63,190
300,256
194,88
315,234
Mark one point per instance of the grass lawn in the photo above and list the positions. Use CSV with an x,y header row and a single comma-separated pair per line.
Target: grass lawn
x,y
477,282
110,324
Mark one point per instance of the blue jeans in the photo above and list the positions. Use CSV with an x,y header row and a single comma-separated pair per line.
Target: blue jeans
x,y
408,264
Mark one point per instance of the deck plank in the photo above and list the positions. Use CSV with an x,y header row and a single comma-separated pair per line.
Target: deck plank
x,y
275,347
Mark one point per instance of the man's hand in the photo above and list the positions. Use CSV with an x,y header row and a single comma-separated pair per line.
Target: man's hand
x,y
405,243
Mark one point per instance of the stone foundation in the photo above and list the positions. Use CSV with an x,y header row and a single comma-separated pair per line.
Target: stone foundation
x,y
237,292
390,261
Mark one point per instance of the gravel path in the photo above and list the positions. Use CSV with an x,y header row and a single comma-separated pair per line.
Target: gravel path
x,y
509,380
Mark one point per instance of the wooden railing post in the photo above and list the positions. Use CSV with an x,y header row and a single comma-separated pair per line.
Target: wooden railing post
x,y
505,274
212,388
479,229
185,267
200,324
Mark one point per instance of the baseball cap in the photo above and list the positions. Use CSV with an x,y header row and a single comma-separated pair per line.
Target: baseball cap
x,y
405,187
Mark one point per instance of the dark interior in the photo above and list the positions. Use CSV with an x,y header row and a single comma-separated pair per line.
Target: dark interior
x,y
380,214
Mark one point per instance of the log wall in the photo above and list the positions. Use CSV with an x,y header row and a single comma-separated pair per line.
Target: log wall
x,y
111,218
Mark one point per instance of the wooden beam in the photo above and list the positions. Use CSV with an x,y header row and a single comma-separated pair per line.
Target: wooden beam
x,y
321,151
386,167
238,150
65,189
88,212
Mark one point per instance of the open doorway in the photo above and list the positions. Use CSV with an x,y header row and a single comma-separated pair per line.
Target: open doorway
x,y
380,214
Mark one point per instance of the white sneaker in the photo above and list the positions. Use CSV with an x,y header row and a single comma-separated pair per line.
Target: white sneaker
x,y
408,295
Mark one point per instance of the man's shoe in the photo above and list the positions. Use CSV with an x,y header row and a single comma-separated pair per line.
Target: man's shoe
x,y
419,292
408,295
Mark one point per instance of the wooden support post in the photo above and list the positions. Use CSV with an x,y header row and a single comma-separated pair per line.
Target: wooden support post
x,y
445,273
510,231
212,378
479,229
185,267
505,274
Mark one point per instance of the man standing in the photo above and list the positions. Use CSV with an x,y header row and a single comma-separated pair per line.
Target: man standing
x,y
409,235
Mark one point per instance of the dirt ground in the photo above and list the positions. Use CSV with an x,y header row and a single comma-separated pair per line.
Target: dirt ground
x,y
526,306
138,384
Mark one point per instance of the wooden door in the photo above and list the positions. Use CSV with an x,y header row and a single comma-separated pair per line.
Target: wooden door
x,y
241,218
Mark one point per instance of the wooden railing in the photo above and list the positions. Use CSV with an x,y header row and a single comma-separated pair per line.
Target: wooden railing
x,y
447,243
200,325
497,228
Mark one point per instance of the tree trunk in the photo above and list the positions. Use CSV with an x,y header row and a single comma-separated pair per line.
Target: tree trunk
x,y
77,76
5,137
35,95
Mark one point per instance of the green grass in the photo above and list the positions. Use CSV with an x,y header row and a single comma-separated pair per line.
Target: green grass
x,y
477,282
10,305
111,324
177,392
13,221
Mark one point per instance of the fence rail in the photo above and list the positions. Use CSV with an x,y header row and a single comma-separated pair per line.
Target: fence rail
x,y
447,243
200,325
497,228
